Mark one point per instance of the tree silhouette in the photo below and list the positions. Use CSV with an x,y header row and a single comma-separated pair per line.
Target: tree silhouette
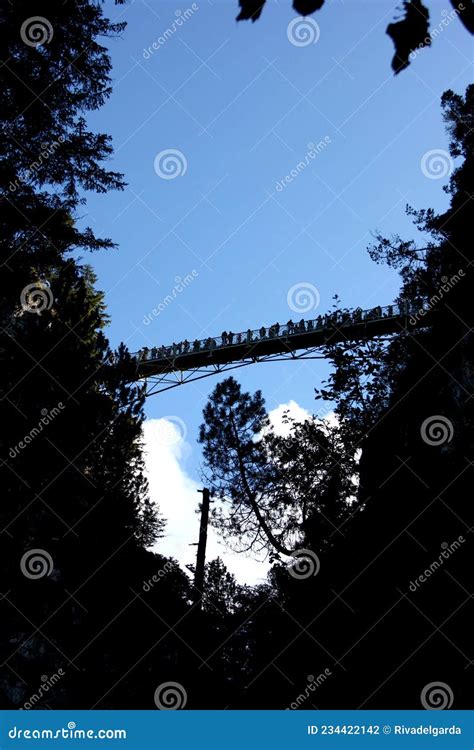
x,y
409,33
74,493
239,469
278,493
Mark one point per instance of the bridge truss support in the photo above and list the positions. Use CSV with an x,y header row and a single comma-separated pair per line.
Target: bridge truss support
x,y
154,384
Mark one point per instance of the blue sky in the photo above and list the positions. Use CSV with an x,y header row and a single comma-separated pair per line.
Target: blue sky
x,y
241,103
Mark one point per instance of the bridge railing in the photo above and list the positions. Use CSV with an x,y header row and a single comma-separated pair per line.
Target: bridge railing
x,y
339,318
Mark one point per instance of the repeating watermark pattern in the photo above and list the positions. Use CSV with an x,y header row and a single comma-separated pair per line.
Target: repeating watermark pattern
x,y
170,696
436,696
167,568
303,297
181,18
181,283
305,564
170,163
46,419
36,297
36,563
47,150
36,31
448,550
313,684
46,684
171,431
445,21
314,149
437,430
446,286
302,32
436,164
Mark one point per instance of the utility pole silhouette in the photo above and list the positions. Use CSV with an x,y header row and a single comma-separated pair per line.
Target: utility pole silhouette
x,y
201,545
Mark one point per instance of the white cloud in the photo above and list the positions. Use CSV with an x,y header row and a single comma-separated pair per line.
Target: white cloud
x,y
171,487
166,453
175,491
295,411
299,414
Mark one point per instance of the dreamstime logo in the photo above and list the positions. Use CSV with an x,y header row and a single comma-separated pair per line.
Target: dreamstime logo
x,y
446,551
436,696
437,430
303,297
171,430
170,163
312,685
47,150
314,149
36,563
303,31
180,18
47,416
434,33
305,564
46,684
170,696
36,31
36,297
436,164
180,286
446,285
162,572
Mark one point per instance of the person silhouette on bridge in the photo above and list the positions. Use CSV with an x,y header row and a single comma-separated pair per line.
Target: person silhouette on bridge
x,y
224,338
290,327
262,332
230,337
249,336
196,345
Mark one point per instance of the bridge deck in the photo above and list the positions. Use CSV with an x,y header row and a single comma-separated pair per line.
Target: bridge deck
x,y
252,345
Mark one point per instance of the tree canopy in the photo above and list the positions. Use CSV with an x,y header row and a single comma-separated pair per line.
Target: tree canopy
x,y
410,32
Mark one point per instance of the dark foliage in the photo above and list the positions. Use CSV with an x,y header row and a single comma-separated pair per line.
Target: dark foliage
x,y
306,7
409,33
466,13
73,488
386,612
250,10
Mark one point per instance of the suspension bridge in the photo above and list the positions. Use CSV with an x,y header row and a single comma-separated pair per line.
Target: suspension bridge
x,y
167,367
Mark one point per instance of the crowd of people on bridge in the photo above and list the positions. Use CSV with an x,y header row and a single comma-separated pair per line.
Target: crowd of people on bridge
x,y
228,338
